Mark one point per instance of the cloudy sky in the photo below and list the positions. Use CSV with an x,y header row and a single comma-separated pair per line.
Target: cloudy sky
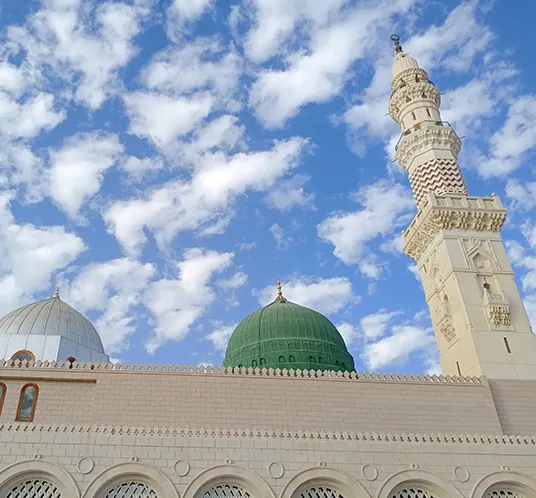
x,y
165,161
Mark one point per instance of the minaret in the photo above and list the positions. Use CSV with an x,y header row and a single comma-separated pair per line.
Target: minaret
x,y
480,322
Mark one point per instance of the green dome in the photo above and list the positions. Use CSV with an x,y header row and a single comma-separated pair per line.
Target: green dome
x,y
287,335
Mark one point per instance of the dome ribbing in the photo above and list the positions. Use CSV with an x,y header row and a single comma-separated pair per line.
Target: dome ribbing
x,y
287,335
52,317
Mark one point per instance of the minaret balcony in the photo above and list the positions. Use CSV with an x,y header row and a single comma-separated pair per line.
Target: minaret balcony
x,y
497,308
451,212
427,136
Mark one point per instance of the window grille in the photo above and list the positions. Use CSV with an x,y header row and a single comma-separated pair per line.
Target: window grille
x,y
226,491
131,490
320,492
503,493
412,493
34,488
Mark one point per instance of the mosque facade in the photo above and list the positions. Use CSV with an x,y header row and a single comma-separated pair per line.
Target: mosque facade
x,y
287,415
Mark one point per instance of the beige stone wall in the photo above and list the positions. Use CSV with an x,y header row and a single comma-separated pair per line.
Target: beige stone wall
x,y
86,462
182,399
515,401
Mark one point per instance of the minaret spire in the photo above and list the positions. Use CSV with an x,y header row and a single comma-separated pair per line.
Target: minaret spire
x,y
396,40
280,296
480,322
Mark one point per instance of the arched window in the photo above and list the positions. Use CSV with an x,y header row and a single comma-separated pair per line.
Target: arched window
x,y
413,116
27,403
428,112
225,491
281,359
320,359
254,363
35,488
311,359
291,359
70,361
412,492
131,489
3,390
320,492
503,492
263,362
23,355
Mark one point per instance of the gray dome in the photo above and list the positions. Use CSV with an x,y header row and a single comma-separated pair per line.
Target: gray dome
x,y
52,317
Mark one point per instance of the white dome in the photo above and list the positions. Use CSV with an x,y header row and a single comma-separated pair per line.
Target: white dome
x,y
31,325
402,62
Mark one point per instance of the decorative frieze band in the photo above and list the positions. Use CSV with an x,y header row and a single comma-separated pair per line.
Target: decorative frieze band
x,y
412,93
109,430
255,372
447,212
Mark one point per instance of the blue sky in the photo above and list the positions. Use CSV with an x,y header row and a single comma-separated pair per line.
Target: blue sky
x,y
167,161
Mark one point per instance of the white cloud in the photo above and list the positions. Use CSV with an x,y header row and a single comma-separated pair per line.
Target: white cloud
x,y
385,206
178,303
374,326
57,39
324,295
139,167
28,119
77,169
239,279
523,195
510,145
202,64
274,21
349,333
182,13
278,234
318,72
289,193
163,119
220,337
113,288
30,256
404,341
205,199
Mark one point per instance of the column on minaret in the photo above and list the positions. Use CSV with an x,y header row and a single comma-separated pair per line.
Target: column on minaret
x,y
431,159
480,322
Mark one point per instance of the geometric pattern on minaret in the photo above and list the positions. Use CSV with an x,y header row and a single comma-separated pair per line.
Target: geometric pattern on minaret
x,y
431,158
478,316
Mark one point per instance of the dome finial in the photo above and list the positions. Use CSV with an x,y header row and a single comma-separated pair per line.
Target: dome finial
x,y
57,293
279,291
396,39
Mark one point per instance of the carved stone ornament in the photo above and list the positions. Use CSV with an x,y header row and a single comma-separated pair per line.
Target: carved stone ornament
x,y
447,330
427,138
413,92
433,218
500,315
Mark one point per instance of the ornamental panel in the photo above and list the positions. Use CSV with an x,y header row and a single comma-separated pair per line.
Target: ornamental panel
x,y
34,488
226,491
320,492
131,489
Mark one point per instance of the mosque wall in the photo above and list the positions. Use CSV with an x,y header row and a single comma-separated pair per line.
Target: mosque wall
x,y
88,462
515,402
363,402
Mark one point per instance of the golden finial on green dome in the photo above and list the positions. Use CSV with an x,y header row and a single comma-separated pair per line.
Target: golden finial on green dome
x,y
279,291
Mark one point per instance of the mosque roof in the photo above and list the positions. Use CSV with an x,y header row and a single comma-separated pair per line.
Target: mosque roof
x,y
286,335
52,317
